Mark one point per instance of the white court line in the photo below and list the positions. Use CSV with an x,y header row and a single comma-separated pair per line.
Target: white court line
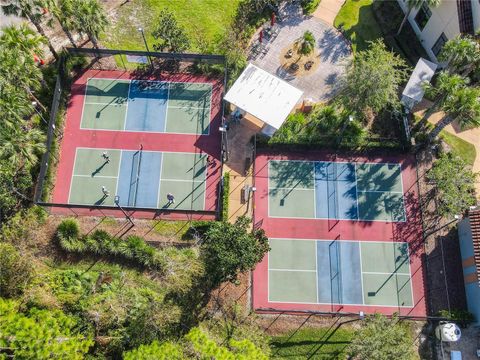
x,y
292,270
118,173
166,108
344,304
292,188
73,174
383,273
182,180
108,103
96,176
159,181
314,205
189,107
126,110
379,191
361,271
316,269
356,198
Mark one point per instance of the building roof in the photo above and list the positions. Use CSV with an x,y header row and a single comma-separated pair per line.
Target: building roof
x,y
474,217
422,73
263,95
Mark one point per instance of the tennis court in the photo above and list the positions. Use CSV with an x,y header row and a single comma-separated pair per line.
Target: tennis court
x,y
147,106
335,190
338,272
140,179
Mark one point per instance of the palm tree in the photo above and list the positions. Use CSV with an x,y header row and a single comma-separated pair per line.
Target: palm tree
x,y
15,105
305,44
89,18
23,38
33,11
462,106
462,54
21,145
445,85
415,4
18,65
63,12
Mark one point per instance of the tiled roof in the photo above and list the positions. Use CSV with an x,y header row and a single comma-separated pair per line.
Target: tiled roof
x,y
465,17
474,217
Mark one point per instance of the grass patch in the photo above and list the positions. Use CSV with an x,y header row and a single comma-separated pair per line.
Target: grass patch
x,y
358,22
462,148
225,196
309,6
202,20
176,229
309,343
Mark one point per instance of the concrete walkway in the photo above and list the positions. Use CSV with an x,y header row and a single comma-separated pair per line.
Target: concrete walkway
x,y
327,10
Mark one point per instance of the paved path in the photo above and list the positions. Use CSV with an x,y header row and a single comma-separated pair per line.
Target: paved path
x,y
327,10
334,53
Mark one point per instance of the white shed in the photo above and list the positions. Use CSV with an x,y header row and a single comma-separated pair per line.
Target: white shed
x,y
264,96
413,92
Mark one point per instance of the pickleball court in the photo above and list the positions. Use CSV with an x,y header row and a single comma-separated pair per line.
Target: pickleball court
x,y
130,142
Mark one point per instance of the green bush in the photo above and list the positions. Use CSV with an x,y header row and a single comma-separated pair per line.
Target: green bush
x,y
225,197
101,243
15,271
309,6
463,317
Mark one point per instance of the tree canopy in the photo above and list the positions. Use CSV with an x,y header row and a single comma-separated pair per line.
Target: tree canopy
x,y
455,183
372,80
169,35
229,249
40,334
381,338
196,345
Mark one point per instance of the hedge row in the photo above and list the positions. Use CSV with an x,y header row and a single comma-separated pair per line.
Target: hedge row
x,y
226,193
133,248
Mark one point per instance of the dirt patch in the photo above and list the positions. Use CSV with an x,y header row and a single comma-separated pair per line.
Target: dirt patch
x,y
305,65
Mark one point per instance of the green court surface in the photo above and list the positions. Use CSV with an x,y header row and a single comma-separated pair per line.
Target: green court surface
x,y
140,179
335,190
339,272
147,106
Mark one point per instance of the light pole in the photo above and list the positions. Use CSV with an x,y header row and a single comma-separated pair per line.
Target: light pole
x,y
345,124
223,130
140,29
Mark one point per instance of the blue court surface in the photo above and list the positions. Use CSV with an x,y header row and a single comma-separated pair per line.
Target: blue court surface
x,y
339,272
140,179
149,106
335,190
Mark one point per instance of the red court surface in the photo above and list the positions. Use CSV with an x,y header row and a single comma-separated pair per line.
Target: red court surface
x,y
74,137
409,231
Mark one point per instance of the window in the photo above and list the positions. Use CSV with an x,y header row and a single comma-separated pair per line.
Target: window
x,y
423,16
439,44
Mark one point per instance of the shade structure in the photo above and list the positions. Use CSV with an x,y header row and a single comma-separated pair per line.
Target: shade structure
x,y
423,73
263,95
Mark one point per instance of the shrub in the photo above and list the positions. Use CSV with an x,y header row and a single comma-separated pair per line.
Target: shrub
x,y
463,317
133,248
309,6
226,194
15,271
68,228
